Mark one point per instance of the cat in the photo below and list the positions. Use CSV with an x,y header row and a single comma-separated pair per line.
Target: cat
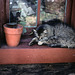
x,y
54,33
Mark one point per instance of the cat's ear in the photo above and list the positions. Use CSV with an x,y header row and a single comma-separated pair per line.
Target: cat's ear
x,y
35,33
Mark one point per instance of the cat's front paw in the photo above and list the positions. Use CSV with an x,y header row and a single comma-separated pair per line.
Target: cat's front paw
x,y
40,43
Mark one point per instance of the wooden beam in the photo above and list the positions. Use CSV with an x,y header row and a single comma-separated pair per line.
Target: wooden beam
x,y
73,14
7,10
2,19
38,12
69,11
39,55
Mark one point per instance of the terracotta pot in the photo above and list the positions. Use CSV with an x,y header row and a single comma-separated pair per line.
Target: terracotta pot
x,y
13,35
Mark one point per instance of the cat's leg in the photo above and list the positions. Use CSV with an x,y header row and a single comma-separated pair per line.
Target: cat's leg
x,y
54,45
33,41
62,42
53,42
71,43
35,33
71,46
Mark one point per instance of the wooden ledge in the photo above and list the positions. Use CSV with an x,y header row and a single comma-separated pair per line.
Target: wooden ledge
x,y
36,55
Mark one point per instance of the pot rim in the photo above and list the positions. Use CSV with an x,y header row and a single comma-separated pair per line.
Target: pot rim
x,y
18,26
17,30
12,24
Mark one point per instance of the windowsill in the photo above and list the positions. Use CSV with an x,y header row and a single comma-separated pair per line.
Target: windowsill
x,y
25,54
24,44
25,39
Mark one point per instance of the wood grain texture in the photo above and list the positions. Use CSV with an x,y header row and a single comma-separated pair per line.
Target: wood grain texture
x,y
38,12
39,55
7,10
69,11
73,14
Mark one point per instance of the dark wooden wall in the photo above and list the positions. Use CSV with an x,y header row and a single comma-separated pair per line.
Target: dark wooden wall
x,y
4,14
70,15
73,14
69,11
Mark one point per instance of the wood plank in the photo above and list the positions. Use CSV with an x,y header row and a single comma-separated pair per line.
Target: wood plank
x,y
2,18
1,11
73,14
0,24
39,55
69,11
7,10
38,12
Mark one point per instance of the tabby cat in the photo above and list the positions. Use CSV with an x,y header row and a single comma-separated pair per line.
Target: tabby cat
x,y
54,33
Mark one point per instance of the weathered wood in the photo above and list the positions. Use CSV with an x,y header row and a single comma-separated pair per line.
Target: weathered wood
x,y
69,11
1,19
38,12
0,24
73,14
7,10
39,55
4,10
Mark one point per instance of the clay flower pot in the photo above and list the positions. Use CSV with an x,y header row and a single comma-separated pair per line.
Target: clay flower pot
x,y
13,35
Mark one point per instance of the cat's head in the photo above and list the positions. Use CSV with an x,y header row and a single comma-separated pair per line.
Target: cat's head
x,y
41,36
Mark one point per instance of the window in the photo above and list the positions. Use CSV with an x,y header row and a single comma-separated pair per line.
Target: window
x,y
24,12
53,9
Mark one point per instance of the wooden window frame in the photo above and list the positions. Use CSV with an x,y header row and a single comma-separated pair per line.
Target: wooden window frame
x,y
36,55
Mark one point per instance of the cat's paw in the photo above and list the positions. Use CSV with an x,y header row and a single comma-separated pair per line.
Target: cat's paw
x,y
72,47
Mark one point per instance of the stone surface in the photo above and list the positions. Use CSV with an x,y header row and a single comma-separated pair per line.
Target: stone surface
x,y
38,69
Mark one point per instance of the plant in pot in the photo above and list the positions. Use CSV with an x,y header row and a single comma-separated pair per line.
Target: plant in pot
x,y
13,33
